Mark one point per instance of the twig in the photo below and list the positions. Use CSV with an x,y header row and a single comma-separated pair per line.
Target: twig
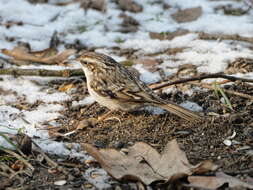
x,y
5,167
201,77
248,171
6,183
4,174
227,91
20,172
49,161
4,135
42,72
206,36
19,158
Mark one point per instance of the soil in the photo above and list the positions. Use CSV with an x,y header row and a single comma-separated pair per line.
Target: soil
x,y
201,141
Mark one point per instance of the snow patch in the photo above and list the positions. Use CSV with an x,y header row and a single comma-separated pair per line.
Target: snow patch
x,y
85,101
191,106
146,76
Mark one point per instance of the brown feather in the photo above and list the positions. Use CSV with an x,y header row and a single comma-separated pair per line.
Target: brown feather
x,y
114,81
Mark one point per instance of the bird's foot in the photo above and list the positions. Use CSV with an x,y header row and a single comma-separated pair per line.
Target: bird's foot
x,y
107,117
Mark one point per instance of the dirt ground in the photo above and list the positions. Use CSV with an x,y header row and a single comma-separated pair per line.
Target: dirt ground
x,y
201,141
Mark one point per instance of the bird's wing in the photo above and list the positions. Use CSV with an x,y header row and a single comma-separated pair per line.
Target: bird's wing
x,y
124,87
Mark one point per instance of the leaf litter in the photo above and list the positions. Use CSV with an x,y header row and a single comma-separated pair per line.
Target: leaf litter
x,y
217,181
47,56
143,163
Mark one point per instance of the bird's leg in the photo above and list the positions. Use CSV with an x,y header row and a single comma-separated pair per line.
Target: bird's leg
x,y
105,117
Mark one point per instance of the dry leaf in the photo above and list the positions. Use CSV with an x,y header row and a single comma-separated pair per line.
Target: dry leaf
x,y
143,163
148,63
99,5
47,56
129,24
18,165
187,70
129,5
60,58
168,35
214,182
22,141
9,24
67,87
86,122
187,15
240,65
44,53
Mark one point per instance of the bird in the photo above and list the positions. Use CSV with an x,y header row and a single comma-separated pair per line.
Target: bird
x,y
112,85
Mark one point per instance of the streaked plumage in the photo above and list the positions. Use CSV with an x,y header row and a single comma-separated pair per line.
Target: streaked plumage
x,y
114,86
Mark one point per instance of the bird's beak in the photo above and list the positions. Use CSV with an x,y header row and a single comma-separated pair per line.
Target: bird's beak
x,y
78,56
68,61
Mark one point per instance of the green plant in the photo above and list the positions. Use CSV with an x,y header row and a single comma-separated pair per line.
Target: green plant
x,y
119,40
218,90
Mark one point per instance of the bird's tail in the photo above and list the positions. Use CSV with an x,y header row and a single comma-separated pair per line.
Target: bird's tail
x,y
181,112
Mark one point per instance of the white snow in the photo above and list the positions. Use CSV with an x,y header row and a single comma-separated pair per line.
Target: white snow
x,y
85,101
43,112
146,76
191,106
32,92
99,178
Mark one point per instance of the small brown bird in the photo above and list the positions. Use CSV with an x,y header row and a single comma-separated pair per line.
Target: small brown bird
x,y
112,85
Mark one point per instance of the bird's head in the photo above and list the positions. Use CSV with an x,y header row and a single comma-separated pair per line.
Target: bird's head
x,y
94,61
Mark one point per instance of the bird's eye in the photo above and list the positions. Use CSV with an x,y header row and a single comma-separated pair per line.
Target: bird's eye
x,y
84,62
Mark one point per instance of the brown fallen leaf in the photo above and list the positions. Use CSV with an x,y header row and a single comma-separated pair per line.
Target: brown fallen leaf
x,y
18,165
47,56
168,35
9,24
22,141
85,123
143,163
148,63
214,182
44,53
66,87
187,70
99,5
129,24
240,65
129,5
187,15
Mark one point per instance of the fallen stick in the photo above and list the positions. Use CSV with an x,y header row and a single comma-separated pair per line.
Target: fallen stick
x,y
204,85
206,36
19,158
201,77
49,160
42,72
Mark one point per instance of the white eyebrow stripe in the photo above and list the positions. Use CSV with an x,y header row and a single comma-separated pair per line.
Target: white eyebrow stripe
x,y
87,59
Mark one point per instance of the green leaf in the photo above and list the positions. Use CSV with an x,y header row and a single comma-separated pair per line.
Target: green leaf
x,y
217,90
8,140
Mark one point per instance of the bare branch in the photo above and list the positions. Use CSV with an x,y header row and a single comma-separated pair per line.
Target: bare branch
x,y
201,77
203,85
206,36
42,72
